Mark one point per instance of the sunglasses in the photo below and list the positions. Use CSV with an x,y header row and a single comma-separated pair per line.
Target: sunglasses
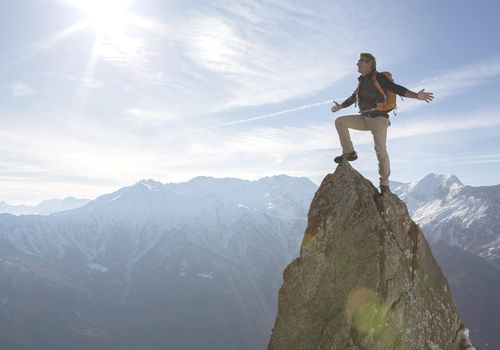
x,y
361,60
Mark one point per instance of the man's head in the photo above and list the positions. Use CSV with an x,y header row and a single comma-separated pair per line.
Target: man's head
x,y
366,63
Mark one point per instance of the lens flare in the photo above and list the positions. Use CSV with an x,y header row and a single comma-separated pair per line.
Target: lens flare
x,y
369,314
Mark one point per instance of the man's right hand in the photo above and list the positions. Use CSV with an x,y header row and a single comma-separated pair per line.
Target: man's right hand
x,y
336,107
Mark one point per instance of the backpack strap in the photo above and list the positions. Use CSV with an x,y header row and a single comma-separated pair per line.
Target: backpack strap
x,y
356,93
377,85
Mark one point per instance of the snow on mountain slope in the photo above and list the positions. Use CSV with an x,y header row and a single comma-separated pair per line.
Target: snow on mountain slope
x,y
431,187
204,255
275,196
456,214
209,211
152,245
120,228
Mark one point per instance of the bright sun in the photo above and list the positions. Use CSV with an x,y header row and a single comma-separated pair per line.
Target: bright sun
x,y
107,17
116,37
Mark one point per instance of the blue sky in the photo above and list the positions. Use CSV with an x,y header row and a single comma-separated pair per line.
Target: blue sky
x,y
96,95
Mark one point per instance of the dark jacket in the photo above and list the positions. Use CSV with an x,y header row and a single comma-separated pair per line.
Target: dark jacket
x,y
369,96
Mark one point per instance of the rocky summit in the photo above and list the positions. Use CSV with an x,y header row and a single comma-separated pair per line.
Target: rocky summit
x,y
365,277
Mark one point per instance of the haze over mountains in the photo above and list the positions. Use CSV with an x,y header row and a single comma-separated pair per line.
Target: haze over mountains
x,y
442,205
204,256
44,208
156,260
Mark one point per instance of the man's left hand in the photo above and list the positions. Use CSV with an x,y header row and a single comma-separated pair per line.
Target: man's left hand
x,y
425,96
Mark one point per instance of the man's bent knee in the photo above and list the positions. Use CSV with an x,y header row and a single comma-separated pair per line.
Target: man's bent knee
x,y
338,121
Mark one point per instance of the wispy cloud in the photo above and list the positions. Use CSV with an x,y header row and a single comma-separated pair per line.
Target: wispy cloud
x,y
157,97
278,51
312,137
477,159
435,124
144,115
454,81
463,78
231,54
270,115
21,90
444,85
122,156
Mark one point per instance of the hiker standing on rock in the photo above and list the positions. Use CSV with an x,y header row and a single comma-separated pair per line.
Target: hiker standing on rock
x,y
376,97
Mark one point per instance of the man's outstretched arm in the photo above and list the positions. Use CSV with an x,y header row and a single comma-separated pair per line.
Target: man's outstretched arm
x,y
349,101
421,95
402,91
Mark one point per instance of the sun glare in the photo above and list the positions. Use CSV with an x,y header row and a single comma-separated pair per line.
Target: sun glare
x,y
107,17
116,40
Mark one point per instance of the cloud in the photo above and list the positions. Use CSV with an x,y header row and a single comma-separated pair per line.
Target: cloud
x,y
454,81
436,124
98,160
21,90
270,115
227,54
259,52
137,114
444,85
153,84
289,140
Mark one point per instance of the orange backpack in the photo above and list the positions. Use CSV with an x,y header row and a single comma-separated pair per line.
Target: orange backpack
x,y
389,97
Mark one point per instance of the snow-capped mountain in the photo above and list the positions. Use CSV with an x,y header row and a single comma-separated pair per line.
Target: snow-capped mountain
x,y
151,256
456,214
202,204
44,208
274,196
159,249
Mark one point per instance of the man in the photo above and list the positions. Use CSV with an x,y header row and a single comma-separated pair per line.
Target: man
x,y
367,95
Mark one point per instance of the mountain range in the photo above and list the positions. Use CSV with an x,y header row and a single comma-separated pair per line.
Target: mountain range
x,y
198,264
204,256
455,214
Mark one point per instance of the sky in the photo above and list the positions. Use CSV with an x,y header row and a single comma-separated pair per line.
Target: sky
x,y
99,94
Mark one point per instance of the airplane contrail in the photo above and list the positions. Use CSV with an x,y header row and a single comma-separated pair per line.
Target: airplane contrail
x,y
270,115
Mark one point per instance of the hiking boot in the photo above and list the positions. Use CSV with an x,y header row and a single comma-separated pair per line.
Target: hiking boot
x,y
349,156
384,189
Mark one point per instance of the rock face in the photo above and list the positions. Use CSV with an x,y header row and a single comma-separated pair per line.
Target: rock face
x,y
365,277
